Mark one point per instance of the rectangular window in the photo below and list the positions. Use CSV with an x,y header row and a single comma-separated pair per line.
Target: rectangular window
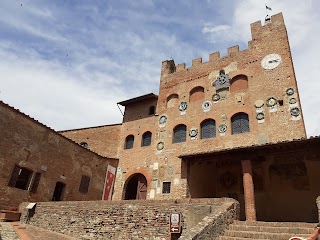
x,y
166,187
20,178
84,184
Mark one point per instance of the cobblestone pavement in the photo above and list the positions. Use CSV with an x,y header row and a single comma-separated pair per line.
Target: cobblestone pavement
x,y
7,232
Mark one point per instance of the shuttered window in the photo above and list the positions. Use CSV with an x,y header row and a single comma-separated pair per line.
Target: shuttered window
x,y
129,142
35,183
240,123
208,129
179,133
146,139
14,176
20,178
84,184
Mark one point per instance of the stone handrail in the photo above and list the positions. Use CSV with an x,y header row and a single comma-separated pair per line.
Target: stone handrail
x,y
214,225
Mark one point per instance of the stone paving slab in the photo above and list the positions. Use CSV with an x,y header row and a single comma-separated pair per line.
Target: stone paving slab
x,y
7,232
28,232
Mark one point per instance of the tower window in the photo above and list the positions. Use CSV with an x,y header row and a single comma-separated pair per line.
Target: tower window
x,y
172,100
129,142
208,129
146,139
239,83
179,133
240,123
196,94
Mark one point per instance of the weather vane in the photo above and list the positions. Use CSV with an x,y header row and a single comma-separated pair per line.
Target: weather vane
x,y
268,18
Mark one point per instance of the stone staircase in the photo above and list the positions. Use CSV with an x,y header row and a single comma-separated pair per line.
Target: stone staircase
x,y
241,230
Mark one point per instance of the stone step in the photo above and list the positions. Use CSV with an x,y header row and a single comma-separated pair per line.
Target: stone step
x,y
276,224
271,229
261,235
238,238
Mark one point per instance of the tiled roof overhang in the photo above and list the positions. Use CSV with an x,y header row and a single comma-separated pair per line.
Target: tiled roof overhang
x,y
149,96
249,152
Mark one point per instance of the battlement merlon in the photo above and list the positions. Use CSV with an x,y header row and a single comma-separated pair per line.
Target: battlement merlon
x,y
257,28
168,66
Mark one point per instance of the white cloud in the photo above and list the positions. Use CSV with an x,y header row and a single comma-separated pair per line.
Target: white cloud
x,y
68,65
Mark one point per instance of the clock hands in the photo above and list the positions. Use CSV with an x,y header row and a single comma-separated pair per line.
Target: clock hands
x,y
275,60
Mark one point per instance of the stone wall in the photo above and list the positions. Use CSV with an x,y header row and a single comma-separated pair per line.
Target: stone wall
x,y
132,219
28,144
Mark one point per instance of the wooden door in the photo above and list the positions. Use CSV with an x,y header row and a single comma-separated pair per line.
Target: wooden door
x,y
141,188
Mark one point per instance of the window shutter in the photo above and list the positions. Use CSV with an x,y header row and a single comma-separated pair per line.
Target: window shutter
x,y
14,176
146,139
208,129
84,184
35,183
240,123
180,134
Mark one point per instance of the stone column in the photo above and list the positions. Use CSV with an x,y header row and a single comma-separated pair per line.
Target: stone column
x,y
250,208
318,204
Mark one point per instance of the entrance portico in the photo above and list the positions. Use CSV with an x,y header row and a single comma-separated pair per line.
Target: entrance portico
x,y
274,182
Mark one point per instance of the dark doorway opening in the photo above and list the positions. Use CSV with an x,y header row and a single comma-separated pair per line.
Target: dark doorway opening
x,y
136,188
58,191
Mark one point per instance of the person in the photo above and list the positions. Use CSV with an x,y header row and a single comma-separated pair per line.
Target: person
x,y
315,235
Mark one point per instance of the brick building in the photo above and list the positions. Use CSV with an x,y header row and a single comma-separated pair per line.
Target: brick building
x,y
229,127
38,164
222,128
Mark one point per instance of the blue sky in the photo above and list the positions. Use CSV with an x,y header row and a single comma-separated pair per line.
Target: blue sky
x,y
67,63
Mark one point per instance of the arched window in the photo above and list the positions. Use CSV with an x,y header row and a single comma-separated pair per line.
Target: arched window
x,y
129,142
180,133
239,83
196,94
208,128
172,100
240,123
146,139
151,110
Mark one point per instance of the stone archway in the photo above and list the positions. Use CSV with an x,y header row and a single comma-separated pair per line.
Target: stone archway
x,y
136,187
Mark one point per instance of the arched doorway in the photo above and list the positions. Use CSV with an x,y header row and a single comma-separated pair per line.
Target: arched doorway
x,y
136,187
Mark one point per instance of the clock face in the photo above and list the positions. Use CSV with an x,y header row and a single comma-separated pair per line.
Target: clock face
x,y
271,61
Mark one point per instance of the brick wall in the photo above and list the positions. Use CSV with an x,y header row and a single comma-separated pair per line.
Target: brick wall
x,y
37,148
278,125
128,219
103,140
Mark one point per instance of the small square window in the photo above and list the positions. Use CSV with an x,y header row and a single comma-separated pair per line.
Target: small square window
x,y
166,187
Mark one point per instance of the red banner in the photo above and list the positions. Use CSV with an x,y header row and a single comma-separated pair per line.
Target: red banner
x,y
108,184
